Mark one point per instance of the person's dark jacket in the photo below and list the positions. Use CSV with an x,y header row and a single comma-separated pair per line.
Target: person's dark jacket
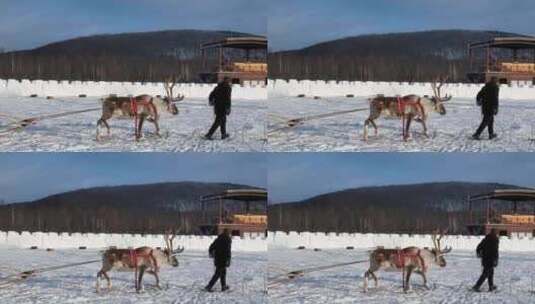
x,y
487,250
489,97
220,250
220,98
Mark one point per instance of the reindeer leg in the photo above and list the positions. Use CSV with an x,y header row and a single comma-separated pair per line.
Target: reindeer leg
x,y
99,274
107,279
140,279
370,120
407,127
98,133
424,125
155,121
140,127
375,279
407,286
155,274
107,127
366,122
366,275
375,127
424,277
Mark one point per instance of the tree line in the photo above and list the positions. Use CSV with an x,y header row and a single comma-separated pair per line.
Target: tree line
x,y
28,65
424,68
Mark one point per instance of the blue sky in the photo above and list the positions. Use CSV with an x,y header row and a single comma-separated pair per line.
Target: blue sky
x,y
27,176
302,175
31,23
299,23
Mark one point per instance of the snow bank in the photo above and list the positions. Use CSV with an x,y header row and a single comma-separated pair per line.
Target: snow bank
x,y
518,90
64,88
25,239
518,243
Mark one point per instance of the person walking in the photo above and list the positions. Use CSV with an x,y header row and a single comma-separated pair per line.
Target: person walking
x,y
488,99
488,252
220,99
220,251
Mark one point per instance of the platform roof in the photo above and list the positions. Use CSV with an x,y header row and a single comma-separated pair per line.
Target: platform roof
x,y
507,195
238,195
506,43
255,42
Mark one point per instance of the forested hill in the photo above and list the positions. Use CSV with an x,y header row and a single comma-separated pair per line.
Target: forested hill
x,y
146,56
182,44
385,209
132,208
414,56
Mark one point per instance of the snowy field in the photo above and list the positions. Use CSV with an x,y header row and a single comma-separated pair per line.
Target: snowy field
x,y
514,277
514,125
183,132
184,284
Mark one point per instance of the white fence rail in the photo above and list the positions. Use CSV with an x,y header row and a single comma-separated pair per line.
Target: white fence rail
x,y
519,242
250,242
63,88
518,90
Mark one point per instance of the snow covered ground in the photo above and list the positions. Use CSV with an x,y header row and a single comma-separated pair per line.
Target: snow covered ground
x,y
246,125
246,277
514,125
514,276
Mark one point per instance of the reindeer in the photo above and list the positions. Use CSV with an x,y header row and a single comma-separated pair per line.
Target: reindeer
x,y
140,107
407,260
139,260
407,108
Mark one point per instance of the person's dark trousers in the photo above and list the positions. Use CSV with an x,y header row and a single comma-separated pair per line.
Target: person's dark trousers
x,y
488,273
220,121
488,122
220,273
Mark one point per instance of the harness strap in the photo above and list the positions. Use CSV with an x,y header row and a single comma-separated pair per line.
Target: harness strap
x,y
134,104
402,104
401,110
133,107
133,259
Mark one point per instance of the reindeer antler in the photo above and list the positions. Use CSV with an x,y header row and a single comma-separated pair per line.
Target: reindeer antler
x,y
436,241
169,84
437,89
169,236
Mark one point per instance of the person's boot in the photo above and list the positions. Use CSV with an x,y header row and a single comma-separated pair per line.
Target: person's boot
x,y
476,137
476,289
492,136
493,288
225,136
223,288
208,289
207,137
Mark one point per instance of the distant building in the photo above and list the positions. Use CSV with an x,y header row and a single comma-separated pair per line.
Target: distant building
x,y
509,59
238,210
239,58
516,219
